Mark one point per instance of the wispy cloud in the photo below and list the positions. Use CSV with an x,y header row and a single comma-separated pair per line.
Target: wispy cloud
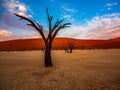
x,y
9,23
109,5
68,12
68,9
99,27
14,6
74,31
5,33
104,27
8,35
68,17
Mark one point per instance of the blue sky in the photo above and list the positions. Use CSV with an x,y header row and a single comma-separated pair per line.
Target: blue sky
x,y
91,19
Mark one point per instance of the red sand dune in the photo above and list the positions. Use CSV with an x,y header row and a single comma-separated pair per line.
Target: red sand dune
x,y
36,44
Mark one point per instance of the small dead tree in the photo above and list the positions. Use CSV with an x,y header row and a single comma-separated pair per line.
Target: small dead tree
x,y
69,46
53,30
66,49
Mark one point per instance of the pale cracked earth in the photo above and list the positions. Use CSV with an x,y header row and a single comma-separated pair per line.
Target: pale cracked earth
x,y
81,70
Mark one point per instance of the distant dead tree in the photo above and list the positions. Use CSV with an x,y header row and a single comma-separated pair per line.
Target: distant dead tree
x,y
68,47
71,45
48,40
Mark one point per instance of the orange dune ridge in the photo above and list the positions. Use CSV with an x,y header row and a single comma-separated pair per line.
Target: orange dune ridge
x,y
58,43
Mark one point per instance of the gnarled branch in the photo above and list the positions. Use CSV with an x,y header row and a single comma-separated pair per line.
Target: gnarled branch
x,y
33,24
59,28
58,22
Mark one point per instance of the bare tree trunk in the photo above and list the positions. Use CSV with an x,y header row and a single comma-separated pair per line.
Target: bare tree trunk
x,y
67,50
70,50
47,56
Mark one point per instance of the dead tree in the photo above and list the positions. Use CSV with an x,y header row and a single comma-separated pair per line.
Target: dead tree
x,y
69,46
66,49
48,40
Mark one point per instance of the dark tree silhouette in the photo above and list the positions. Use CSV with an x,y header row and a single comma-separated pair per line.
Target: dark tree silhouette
x,y
69,46
66,49
48,40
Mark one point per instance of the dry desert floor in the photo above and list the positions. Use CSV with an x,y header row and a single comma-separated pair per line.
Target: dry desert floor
x,y
80,70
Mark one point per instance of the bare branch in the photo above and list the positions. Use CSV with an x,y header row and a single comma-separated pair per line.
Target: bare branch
x,y
40,30
50,25
40,26
25,18
49,19
57,24
59,28
66,25
29,24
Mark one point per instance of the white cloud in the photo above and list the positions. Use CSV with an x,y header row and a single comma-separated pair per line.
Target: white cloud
x,y
68,9
14,6
99,27
22,8
109,5
70,18
5,33
74,31
67,16
112,15
68,13
104,27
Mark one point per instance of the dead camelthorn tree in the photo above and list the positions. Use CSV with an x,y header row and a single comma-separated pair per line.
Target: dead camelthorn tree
x,y
69,46
66,49
48,40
